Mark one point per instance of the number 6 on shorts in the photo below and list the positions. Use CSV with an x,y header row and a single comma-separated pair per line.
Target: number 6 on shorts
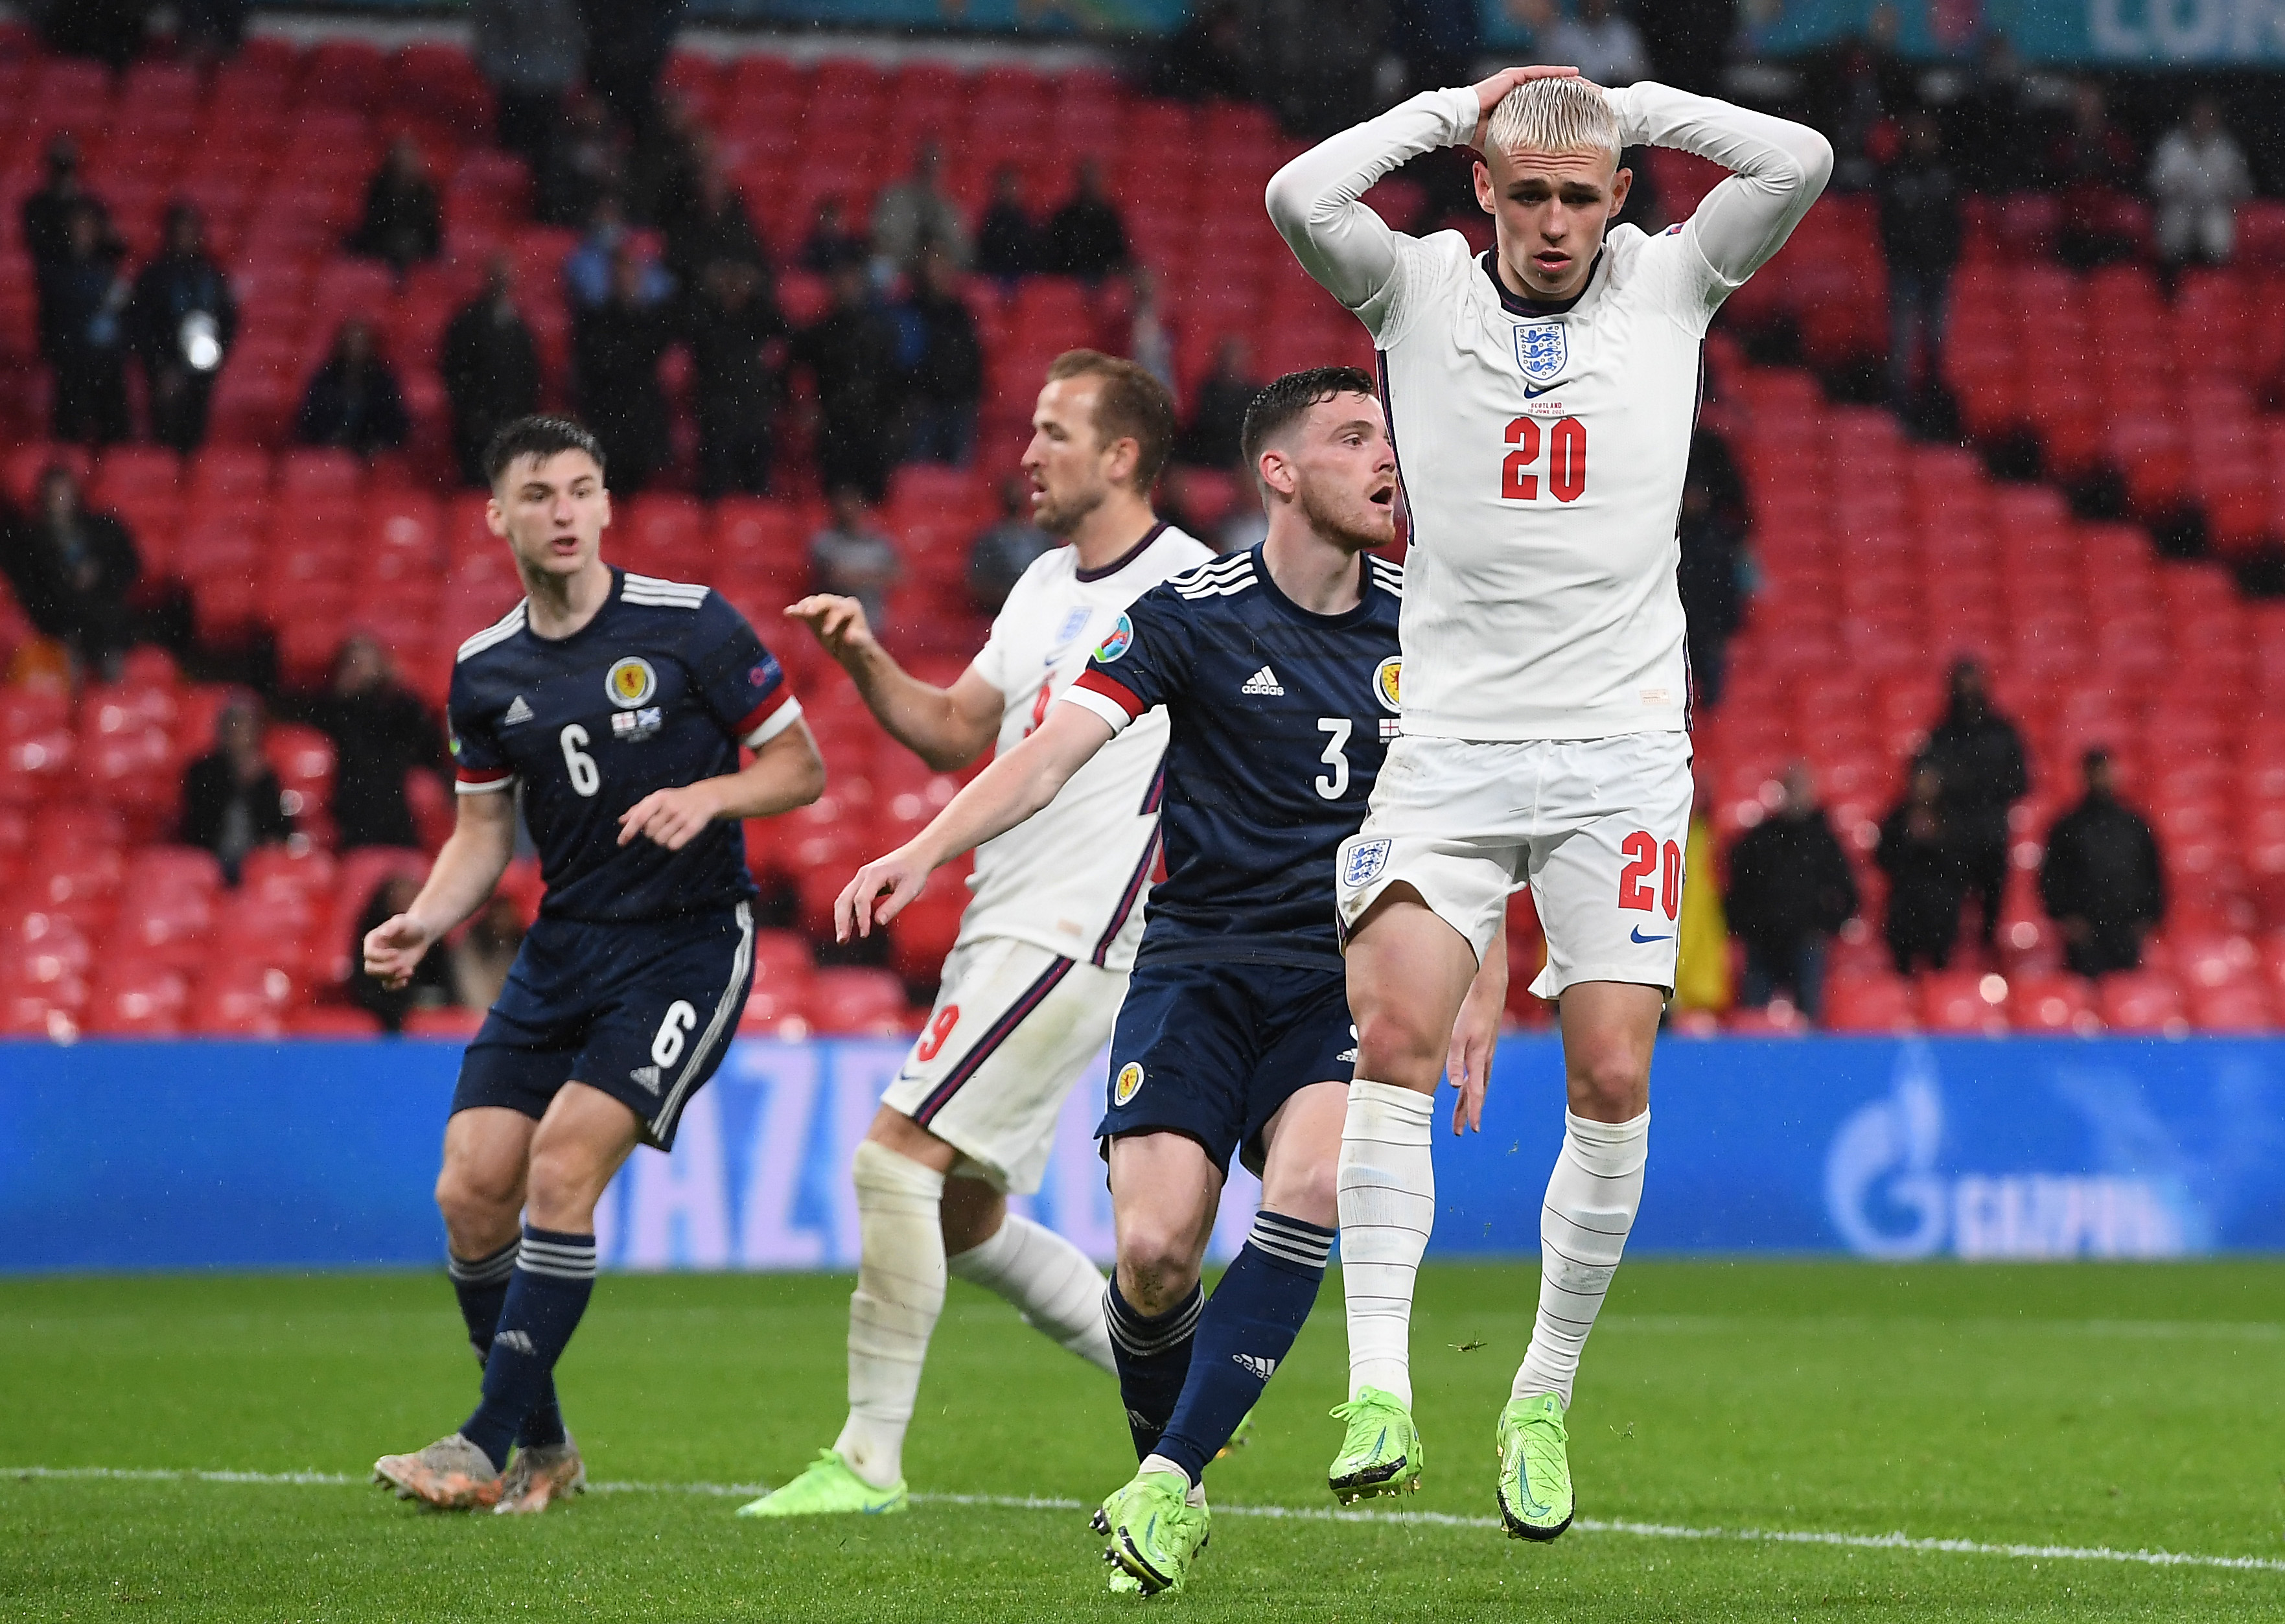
x,y
666,1049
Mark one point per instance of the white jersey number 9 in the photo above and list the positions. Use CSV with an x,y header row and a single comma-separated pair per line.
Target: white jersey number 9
x,y
1335,784
585,778
1566,461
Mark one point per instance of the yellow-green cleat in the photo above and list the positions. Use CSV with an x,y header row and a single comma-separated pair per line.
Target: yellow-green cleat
x,y
1534,1468
1381,1454
1155,1532
826,1487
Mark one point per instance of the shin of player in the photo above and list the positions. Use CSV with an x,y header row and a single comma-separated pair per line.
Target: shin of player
x,y
1041,958
618,704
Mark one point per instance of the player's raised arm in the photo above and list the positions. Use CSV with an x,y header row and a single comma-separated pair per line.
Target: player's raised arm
x,y
1777,169
1314,200
945,727
465,872
1009,790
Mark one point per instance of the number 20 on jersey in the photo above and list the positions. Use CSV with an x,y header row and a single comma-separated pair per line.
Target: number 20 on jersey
x,y
1566,470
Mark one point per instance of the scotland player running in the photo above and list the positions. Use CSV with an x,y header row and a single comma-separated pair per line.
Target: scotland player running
x,y
1542,396
1277,669
615,703
1044,946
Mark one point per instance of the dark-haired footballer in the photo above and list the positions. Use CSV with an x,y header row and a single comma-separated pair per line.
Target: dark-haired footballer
x,y
613,707
1277,669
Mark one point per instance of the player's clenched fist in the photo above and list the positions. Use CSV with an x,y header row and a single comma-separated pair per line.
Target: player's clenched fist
x,y
1494,90
839,622
891,881
392,950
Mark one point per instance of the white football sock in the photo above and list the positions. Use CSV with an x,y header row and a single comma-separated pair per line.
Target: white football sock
x,y
1387,1194
899,1293
1050,1282
1591,1199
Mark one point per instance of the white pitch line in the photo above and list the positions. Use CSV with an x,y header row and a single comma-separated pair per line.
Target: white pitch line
x,y
1314,1514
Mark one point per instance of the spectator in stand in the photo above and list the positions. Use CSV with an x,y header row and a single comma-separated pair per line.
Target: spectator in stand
x,y
946,382
431,984
1601,44
1921,228
831,246
1218,420
2198,177
1004,550
2092,166
1921,860
912,216
715,226
489,365
111,31
530,51
1206,59
1790,890
627,46
2101,882
738,352
83,300
851,354
617,347
353,400
46,215
1856,92
71,570
588,161
182,320
1150,342
382,734
1438,41
484,955
591,270
1085,238
1979,756
851,558
403,223
1712,559
663,176
1989,118
1007,240
231,800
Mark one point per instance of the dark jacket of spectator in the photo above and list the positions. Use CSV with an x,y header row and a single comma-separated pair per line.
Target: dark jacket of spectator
x,y
1979,756
380,731
1218,420
737,349
1921,197
1085,238
616,350
716,226
529,50
82,319
46,218
71,570
402,222
1712,554
1007,239
432,984
851,352
353,400
2102,880
1789,879
490,363
2094,166
231,799
831,247
182,302
1001,552
1206,59
950,368
1921,855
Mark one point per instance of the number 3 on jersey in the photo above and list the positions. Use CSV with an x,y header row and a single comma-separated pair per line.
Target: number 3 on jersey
x,y
1566,461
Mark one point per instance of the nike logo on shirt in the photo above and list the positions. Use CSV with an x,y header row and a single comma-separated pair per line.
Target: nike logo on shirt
x,y
1640,937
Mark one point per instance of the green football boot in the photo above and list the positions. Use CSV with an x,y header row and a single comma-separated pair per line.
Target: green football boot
x,y
1534,1468
826,1487
1155,1532
1381,1454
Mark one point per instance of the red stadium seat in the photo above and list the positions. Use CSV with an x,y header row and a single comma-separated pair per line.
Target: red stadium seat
x,y
1869,1004
2141,1001
858,1002
1964,1001
452,1021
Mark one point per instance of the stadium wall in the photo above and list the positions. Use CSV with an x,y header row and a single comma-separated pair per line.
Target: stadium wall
x,y
119,1156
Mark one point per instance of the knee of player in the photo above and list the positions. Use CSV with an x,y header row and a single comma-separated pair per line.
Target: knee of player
x,y
561,1186
467,1201
1609,1081
1394,1045
1157,1267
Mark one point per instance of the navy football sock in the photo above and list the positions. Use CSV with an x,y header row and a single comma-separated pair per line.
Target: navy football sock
x,y
1154,1356
1248,1326
481,1287
554,1276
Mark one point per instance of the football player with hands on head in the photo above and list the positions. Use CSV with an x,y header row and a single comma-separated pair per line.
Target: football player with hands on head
x,y
1541,397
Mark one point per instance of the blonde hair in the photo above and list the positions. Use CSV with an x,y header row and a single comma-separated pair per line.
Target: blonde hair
x,y
1554,115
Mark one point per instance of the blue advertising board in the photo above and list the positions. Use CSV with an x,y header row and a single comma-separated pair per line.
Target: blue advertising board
x,y
310,1155
2120,33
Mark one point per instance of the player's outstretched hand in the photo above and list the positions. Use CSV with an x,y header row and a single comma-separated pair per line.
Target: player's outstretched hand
x,y
392,950
1469,1065
673,818
1494,90
879,892
839,622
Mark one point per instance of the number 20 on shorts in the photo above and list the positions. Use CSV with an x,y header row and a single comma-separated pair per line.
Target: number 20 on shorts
x,y
1643,860
1566,461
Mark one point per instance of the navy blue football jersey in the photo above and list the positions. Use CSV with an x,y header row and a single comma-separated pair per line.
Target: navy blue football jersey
x,y
1280,718
657,691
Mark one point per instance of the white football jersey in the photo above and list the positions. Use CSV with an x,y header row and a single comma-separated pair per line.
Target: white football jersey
x,y
1072,877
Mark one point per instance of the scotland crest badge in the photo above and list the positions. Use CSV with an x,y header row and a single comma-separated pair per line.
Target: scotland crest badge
x,y
1542,352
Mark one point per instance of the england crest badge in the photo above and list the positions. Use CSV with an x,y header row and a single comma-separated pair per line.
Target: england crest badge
x,y
1542,352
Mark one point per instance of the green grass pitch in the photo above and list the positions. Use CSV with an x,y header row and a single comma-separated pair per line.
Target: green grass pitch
x,y
2126,1408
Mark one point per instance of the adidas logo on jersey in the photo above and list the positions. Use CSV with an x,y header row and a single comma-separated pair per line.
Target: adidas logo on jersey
x,y
517,711
1261,1369
648,1076
1264,681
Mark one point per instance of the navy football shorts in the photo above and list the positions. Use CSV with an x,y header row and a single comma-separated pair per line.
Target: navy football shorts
x,y
642,1010
1210,1051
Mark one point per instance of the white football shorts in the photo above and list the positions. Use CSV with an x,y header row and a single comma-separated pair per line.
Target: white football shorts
x,y
1596,827
1013,1027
